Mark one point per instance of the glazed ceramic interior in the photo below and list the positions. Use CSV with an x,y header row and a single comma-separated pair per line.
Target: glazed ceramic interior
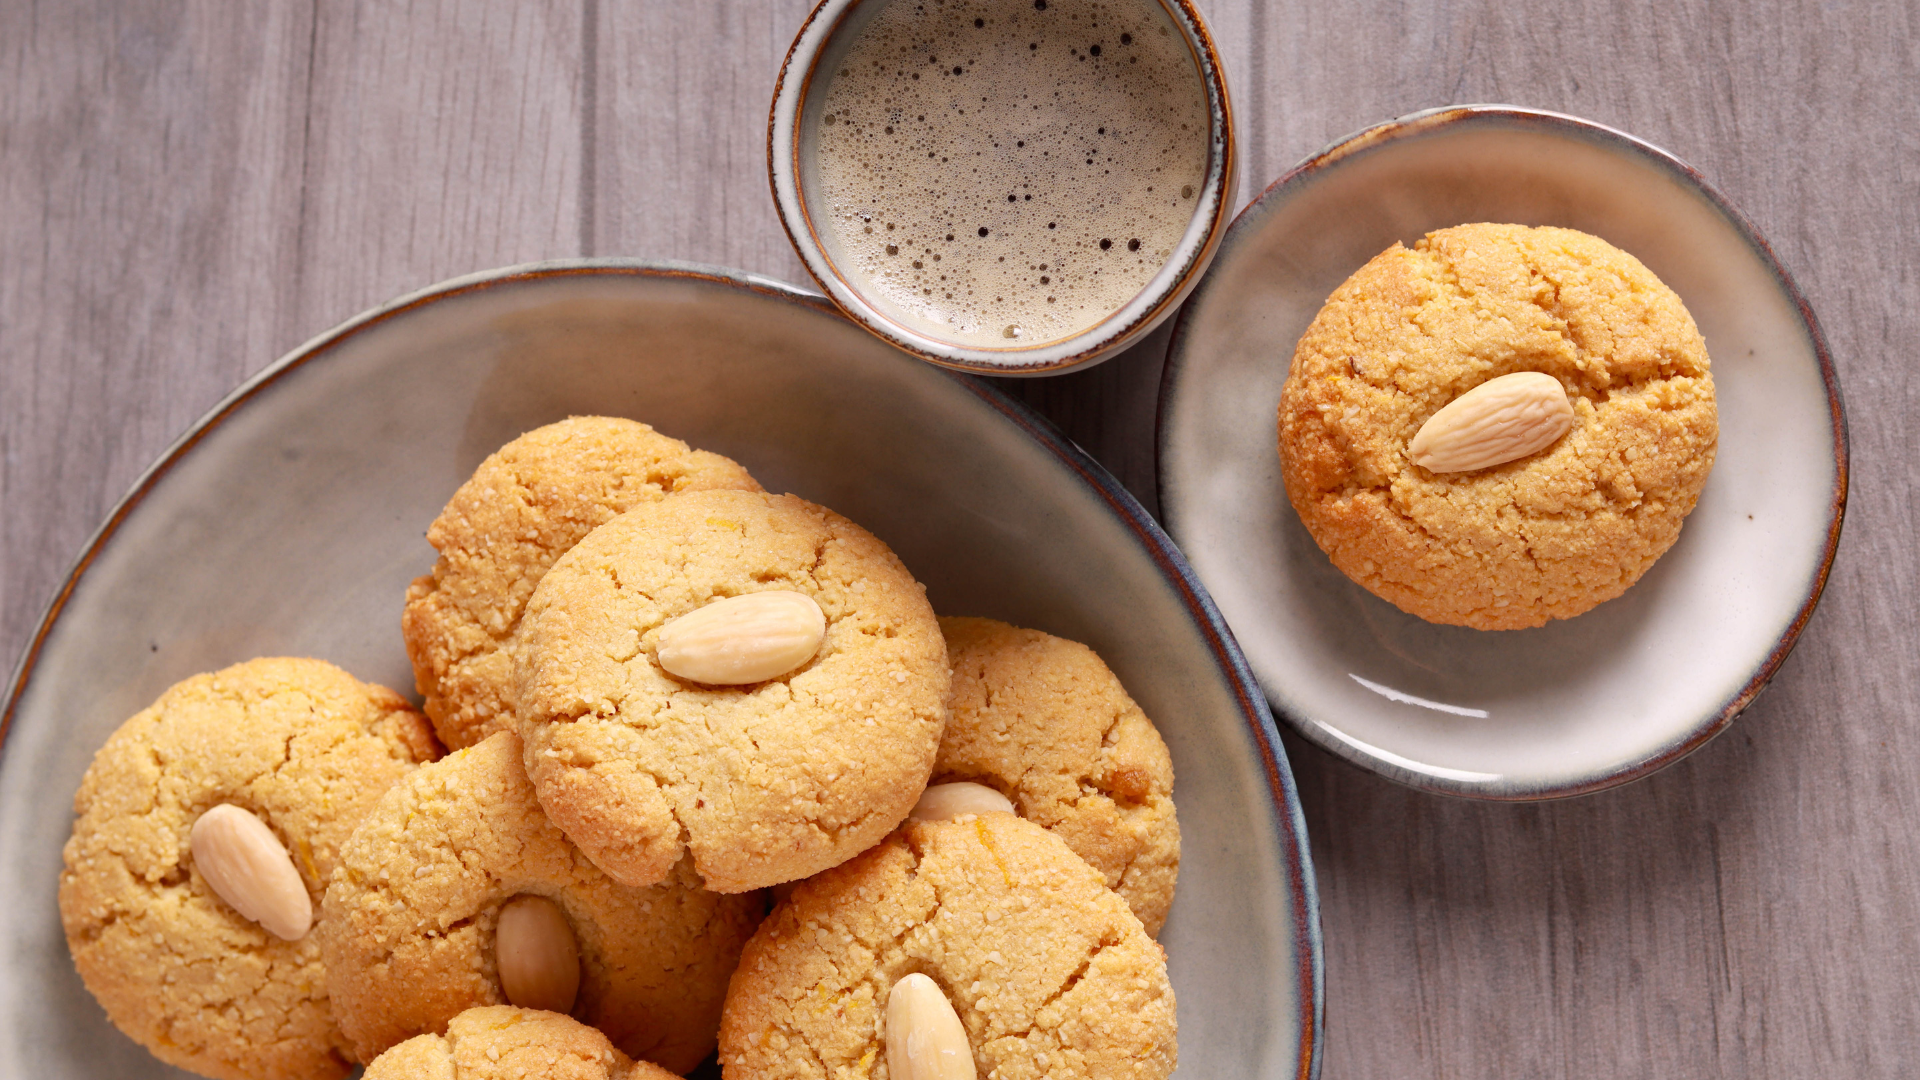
x,y
1578,704
292,524
820,47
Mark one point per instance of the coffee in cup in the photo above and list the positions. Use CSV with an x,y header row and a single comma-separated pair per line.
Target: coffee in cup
x,y
1010,187
1008,172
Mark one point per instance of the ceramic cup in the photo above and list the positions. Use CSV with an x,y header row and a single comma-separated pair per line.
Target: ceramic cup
x,y
793,151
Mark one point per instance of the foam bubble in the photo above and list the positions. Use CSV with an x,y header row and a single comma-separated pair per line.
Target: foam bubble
x,y
1006,172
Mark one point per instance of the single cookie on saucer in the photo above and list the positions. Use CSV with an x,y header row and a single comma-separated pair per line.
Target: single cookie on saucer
x,y
1546,535
416,931
500,1042
522,509
1044,721
653,724
298,751
1047,971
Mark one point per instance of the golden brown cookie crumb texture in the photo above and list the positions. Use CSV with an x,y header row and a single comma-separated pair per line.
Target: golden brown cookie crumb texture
x,y
522,509
761,783
1049,971
302,745
408,922
500,1042
1544,537
1045,721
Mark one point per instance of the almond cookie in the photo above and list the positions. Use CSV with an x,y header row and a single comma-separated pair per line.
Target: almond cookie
x,y
522,509
301,746
1548,535
410,920
1047,969
500,1042
763,782
1044,721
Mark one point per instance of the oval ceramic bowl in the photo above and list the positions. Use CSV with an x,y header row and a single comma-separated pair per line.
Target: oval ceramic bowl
x,y
290,520
793,128
1580,704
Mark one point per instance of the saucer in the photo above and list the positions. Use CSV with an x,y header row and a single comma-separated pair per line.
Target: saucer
x,y
1578,705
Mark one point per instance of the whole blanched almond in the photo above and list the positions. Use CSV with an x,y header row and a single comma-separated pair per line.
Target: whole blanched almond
x,y
925,1039
944,802
249,868
1500,420
536,955
743,639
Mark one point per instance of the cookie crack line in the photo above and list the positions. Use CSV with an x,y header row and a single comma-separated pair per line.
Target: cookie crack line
x,y
457,654
1601,395
1079,973
795,1038
819,559
1526,548
1133,861
896,943
834,834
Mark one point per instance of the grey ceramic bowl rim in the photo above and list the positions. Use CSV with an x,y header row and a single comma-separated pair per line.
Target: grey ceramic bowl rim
x,y
1304,907
1431,121
1092,345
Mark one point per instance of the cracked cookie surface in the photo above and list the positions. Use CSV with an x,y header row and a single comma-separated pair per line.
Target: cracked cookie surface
x,y
302,745
763,783
1050,972
525,505
500,1042
410,918
1544,537
1045,722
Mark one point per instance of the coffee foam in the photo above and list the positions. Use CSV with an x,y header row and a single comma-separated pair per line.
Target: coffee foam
x,y
1004,173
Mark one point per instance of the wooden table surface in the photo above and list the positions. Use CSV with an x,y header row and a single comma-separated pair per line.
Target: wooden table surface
x,y
189,189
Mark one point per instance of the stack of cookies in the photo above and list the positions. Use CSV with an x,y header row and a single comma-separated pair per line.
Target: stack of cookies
x,y
655,696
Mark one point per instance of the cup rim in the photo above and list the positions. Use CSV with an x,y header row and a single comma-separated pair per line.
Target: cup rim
x,y
1105,338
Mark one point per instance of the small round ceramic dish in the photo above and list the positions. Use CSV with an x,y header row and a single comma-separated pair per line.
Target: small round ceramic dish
x,y
291,518
1577,705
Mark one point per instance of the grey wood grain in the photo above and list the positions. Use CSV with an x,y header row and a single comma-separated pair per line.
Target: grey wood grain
x,y
681,145
188,190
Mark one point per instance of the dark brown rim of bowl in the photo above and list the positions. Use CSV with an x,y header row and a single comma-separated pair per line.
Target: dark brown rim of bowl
x,y
812,252
1303,905
1512,116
